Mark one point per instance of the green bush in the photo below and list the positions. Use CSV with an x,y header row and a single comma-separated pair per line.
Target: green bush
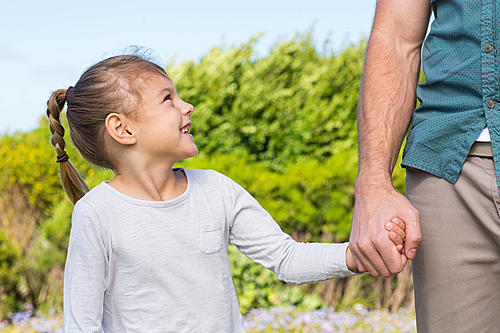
x,y
294,102
34,220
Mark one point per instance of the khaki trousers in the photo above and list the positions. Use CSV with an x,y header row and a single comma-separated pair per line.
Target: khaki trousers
x,y
457,268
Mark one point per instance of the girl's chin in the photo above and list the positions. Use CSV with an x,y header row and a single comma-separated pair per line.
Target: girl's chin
x,y
195,151
192,154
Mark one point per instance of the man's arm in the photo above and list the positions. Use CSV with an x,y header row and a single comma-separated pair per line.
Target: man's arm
x,y
386,103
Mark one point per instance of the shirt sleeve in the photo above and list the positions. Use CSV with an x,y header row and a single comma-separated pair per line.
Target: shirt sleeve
x,y
85,273
259,237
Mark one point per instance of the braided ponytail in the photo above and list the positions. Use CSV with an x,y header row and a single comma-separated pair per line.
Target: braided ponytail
x,y
73,184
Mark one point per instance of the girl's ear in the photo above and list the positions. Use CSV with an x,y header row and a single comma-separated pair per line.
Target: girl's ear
x,y
117,128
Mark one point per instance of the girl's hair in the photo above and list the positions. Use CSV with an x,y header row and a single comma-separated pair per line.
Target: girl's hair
x,y
109,86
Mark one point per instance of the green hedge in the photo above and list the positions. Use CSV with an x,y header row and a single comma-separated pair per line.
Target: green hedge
x,y
295,102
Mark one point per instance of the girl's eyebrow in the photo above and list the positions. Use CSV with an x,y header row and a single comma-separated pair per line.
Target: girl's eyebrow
x,y
162,91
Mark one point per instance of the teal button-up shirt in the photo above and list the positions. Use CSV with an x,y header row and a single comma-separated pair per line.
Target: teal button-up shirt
x,y
460,95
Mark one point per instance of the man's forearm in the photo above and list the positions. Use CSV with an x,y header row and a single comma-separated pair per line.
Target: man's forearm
x,y
386,103
388,88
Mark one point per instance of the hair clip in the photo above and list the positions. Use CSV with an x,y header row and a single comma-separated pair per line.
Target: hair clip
x,y
63,157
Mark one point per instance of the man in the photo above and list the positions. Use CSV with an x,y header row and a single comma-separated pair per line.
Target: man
x,y
452,178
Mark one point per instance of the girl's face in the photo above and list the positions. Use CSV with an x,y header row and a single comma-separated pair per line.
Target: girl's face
x,y
163,121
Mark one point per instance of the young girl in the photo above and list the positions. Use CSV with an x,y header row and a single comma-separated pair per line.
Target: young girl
x,y
148,249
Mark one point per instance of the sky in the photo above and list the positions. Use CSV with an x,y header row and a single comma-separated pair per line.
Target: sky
x,y
46,45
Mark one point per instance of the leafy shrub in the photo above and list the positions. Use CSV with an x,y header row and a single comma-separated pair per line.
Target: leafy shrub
x,y
294,102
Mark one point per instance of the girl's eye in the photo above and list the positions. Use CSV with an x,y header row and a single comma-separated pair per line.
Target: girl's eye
x,y
166,97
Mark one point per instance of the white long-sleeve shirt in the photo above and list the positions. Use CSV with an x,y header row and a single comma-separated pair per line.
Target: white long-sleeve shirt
x,y
162,266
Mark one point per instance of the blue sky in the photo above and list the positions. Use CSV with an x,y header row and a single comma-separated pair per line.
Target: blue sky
x,y
46,45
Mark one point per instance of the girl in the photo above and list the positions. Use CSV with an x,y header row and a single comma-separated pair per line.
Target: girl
x,y
148,249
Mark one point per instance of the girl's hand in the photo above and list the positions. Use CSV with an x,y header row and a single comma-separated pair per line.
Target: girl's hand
x,y
397,234
349,260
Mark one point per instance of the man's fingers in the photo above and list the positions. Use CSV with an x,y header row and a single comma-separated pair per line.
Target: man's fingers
x,y
364,264
391,258
359,263
372,259
381,256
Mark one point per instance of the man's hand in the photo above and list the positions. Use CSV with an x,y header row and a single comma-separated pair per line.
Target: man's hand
x,y
373,251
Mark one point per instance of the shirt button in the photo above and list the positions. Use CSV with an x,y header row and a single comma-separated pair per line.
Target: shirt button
x,y
488,48
491,104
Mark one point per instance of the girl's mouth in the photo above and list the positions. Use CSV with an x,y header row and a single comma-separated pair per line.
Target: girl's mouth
x,y
185,129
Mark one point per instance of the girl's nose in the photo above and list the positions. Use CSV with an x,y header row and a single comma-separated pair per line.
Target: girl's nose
x,y
187,109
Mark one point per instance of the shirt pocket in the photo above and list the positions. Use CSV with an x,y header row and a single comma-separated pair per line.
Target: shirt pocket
x,y
210,237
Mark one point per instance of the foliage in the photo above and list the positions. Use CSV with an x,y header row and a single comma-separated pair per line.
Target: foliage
x,y
8,275
34,216
28,186
294,102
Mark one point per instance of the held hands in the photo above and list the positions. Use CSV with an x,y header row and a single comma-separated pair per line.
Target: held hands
x,y
396,230
372,250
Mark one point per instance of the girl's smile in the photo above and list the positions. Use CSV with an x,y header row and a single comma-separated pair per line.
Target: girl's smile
x,y
185,129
